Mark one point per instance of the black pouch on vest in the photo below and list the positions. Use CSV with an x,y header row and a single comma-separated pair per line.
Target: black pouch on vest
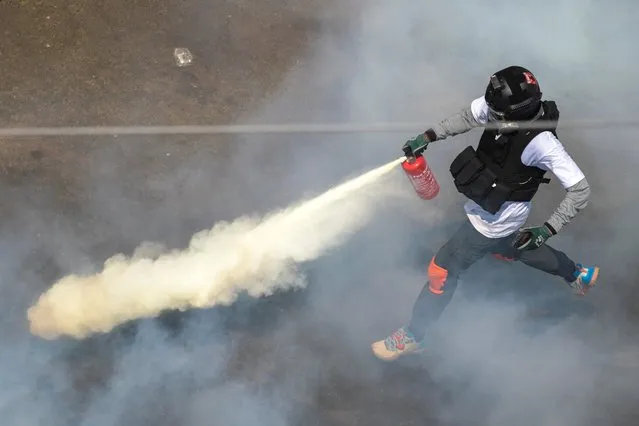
x,y
470,175
460,162
477,182
497,196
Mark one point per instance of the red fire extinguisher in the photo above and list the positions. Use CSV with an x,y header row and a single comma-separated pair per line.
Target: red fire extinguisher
x,y
421,177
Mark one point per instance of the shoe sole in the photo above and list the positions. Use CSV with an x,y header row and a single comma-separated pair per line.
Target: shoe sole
x,y
595,275
396,355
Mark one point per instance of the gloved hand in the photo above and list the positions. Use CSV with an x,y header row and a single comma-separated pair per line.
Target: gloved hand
x,y
533,237
416,146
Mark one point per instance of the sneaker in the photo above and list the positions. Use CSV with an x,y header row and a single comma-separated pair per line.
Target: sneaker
x,y
585,279
401,342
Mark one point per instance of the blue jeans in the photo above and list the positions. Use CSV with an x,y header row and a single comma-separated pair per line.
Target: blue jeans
x,y
464,248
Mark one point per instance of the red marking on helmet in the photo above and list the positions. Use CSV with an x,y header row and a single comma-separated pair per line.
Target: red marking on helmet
x,y
530,79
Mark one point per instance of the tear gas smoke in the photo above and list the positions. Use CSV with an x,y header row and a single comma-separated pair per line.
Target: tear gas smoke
x,y
249,254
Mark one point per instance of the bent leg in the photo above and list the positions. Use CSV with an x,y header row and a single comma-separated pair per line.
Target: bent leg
x,y
437,292
464,248
549,260
556,262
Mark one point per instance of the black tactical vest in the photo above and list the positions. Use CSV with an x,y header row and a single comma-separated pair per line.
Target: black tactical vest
x,y
494,173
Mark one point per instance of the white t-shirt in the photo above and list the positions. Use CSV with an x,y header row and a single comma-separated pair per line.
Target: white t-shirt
x,y
546,152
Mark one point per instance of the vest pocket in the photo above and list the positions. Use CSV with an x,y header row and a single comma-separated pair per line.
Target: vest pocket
x,y
462,159
497,196
471,174
483,184
477,182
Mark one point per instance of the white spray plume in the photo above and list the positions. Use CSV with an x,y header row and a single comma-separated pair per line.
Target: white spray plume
x,y
249,254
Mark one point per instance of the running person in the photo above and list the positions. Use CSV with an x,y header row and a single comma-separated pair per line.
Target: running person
x,y
500,179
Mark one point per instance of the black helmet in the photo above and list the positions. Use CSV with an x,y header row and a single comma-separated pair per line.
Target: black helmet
x,y
513,94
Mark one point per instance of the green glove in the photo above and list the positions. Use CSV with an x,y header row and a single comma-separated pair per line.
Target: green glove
x,y
533,237
416,146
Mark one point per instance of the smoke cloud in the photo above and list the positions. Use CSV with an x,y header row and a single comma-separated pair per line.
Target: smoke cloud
x,y
491,362
254,255
422,61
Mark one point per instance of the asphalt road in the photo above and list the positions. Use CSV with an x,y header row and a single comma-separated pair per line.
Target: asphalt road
x,y
66,200
69,202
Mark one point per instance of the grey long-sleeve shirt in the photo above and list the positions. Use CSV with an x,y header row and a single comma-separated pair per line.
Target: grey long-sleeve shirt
x,y
577,195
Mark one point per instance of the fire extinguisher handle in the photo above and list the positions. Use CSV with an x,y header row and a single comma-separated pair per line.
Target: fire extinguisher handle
x,y
416,146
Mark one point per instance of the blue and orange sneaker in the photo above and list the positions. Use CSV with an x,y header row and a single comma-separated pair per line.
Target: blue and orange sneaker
x,y
401,342
585,279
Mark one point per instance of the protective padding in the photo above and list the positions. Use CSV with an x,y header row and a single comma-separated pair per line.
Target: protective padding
x,y
436,277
